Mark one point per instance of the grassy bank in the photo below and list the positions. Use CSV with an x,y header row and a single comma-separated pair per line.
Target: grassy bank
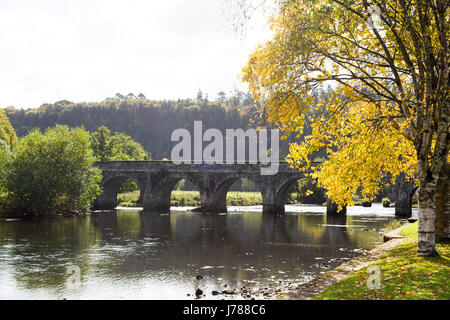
x,y
403,275
192,199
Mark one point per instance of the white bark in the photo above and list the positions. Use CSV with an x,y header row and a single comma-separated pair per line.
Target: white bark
x,y
426,244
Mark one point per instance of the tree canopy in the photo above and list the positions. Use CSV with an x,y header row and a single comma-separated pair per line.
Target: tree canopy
x,y
7,133
389,112
117,146
50,173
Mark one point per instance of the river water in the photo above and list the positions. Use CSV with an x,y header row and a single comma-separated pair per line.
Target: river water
x,y
128,254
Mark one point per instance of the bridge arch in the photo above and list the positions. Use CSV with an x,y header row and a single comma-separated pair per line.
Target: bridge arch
x,y
157,198
283,192
111,186
219,199
214,192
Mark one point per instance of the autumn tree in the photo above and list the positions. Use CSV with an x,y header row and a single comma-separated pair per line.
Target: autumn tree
x,y
389,113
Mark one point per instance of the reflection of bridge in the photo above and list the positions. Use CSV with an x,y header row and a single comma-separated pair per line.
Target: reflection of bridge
x,y
156,180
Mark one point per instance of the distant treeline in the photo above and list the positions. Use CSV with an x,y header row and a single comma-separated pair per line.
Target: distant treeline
x,y
150,123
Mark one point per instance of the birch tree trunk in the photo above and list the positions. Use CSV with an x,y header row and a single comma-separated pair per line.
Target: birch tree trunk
x,y
426,243
442,203
432,172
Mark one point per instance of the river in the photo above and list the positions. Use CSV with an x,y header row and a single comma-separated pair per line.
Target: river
x,y
129,254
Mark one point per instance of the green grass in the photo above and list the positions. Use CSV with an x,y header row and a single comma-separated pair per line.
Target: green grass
x,y
244,199
410,231
128,199
185,199
192,199
403,275
394,224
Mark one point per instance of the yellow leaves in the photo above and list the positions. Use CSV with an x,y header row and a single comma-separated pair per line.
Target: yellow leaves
x,y
363,133
362,154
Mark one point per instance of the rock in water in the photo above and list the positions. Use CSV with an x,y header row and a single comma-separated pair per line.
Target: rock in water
x,y
198,292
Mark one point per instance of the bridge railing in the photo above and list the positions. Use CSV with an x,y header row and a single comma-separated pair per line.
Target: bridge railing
x,y
203,162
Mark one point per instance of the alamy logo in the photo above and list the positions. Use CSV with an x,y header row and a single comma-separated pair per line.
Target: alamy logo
x,y
74,277
374,279
374,19
234,145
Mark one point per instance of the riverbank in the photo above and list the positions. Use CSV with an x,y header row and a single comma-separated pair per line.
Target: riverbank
x,y
192,199
403,274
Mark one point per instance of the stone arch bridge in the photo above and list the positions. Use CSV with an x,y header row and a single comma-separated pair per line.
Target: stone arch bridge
x,y
156,179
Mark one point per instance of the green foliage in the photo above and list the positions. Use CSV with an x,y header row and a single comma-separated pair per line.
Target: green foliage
x,y
7,133
51,173
248,185
125,148
128,199
107,146
386,202
185,198
180,184
101,144
5,156
118,146
394,224
244,199
307,191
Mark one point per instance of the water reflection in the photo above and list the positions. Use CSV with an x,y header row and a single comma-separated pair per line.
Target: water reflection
x,y
131,254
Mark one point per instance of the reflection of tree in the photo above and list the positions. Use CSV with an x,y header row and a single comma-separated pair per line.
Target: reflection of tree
x,y
364,239
293,228
203,238
106,224
128,224
311,226
274,229
213,229
154,226
335,234
43,249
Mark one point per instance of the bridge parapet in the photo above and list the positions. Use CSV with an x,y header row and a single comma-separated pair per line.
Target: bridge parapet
x,y
159,166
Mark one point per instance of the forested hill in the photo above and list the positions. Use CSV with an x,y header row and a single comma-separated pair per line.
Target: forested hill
x,y
150,123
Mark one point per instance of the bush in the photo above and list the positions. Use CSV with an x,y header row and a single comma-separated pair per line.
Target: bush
x,y
386,202
306,191
51,173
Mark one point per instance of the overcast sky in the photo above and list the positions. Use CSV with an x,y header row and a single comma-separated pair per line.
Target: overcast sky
x,y
88,50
